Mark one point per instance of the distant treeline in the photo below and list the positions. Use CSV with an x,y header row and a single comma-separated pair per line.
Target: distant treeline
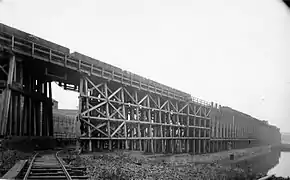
x,y
285,137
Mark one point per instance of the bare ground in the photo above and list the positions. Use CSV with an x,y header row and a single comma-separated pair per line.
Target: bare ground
x,y
136,165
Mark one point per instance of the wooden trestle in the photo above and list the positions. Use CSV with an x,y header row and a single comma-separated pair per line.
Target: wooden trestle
x,y
124,117
117,109
26,99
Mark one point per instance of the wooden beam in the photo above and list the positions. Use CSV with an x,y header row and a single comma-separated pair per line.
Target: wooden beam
x,y
50,116
86,104
108,116
161,127
29,114
118,128
7,97
114,93
91,109
95,87
19,116
44,114
117,110
94,126
198,110
101,113
176,110
142,99
183,107
11,118
155,103
131,97
187,130
92,88
2,97
150,126
124,114
33,108
137,119
165,103
3,70
97,127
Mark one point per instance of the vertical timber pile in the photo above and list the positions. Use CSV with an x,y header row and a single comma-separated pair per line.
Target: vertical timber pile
x,y
117,109
25,99
232,129
118,116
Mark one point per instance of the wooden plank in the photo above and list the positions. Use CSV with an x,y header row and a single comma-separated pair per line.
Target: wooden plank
x,y
18,33
181,95
136,78
15,170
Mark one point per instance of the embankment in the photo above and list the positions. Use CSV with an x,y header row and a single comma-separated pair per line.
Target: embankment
x,y
219,157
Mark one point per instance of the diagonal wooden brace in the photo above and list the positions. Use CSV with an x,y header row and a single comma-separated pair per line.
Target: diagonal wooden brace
x,y
98,111
154,101
145,97
112,95
173,106
2,68
95,107
95,86
131,97
117,110
97,129
198,110
118,128
183,107
164,104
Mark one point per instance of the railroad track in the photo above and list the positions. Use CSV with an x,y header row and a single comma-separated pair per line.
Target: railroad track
x,y
48,165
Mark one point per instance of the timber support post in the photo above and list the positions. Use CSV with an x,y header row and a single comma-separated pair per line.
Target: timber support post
x,y
7,96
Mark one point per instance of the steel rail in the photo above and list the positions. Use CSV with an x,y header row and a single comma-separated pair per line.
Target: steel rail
x,y
30,166
62,166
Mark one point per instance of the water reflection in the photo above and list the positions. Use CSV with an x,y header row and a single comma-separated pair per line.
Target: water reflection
x,y
261,164
282,169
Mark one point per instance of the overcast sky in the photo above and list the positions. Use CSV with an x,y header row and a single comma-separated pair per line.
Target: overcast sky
x,y
234,52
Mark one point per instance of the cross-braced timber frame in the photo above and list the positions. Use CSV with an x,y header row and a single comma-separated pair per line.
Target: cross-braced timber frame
x,y
25,99
118,109
117,116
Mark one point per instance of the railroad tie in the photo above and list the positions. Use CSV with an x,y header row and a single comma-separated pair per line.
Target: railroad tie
x,y
50,166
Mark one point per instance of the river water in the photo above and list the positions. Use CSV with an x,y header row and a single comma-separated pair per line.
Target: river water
x,y
275,162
